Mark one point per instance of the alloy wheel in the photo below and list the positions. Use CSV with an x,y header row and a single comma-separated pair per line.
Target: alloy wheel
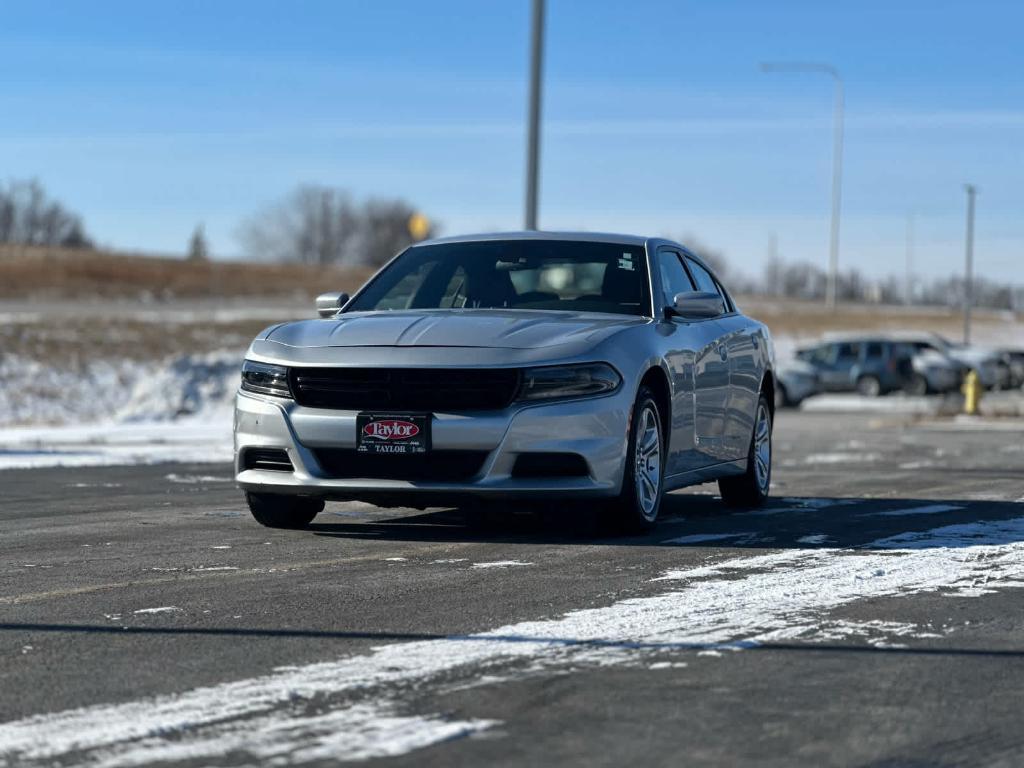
x,y
763,448
647,475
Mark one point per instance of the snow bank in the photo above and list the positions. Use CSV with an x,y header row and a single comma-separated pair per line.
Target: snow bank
x,y
33,393
103,413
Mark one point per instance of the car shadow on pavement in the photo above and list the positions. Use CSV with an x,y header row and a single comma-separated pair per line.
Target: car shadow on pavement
x,y
700,520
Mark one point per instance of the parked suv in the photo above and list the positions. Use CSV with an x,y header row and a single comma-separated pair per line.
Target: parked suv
x,y
871,367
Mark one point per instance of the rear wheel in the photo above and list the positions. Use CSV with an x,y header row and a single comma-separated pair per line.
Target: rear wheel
x,y
751,488
640,499
917,385
278,511
869,386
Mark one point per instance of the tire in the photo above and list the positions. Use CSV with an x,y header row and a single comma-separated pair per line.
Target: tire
x,y
638,503
278,511
869,386
917,386
752,487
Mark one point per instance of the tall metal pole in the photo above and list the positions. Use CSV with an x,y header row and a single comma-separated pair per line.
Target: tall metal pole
x,y
837,190
908,277
969,265
533,129
837,161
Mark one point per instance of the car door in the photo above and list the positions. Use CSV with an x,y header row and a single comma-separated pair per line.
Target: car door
x,y
746,354
835,362
698,360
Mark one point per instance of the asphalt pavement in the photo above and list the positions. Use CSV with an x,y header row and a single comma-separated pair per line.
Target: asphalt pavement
x,y
871,615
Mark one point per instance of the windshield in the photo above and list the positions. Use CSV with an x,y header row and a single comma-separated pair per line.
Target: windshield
x,y
513,274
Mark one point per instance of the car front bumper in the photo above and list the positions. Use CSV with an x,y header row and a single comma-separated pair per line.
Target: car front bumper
x,y
594,428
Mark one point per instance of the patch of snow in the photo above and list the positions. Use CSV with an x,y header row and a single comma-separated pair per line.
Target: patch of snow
x,y
194,479
731,605
500,564
898,404
698,538
205,439
812,503
164,609
814,538
842,457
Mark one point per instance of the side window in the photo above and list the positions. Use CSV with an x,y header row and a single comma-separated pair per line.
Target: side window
x,y
703,278
821,355
875,350
673,277
847,353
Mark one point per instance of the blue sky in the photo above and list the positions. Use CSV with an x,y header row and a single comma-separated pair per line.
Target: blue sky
x,y
151,117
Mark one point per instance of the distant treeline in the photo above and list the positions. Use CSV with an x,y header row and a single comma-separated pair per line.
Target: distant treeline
x,y
29,217
324,227
803,280
315,225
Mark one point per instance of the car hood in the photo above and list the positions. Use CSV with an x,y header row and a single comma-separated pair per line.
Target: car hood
x,y
495,329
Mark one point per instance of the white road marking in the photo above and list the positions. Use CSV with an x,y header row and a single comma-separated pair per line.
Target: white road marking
x,y
299,714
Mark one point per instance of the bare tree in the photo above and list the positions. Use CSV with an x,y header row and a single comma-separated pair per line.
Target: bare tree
x,y
28,217
197,249
321,225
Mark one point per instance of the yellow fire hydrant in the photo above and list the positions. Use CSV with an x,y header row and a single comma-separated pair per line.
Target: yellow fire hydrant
x,y
972,392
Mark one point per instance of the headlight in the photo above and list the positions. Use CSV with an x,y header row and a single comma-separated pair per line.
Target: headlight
x,y
564,381
265,378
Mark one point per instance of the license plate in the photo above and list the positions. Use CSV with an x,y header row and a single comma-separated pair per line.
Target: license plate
x,y
392,433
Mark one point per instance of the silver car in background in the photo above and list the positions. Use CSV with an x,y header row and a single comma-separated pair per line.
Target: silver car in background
x,y
512,366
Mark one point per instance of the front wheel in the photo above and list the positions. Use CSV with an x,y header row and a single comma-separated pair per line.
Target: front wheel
x,y
637,505
278,511
751,488
869,386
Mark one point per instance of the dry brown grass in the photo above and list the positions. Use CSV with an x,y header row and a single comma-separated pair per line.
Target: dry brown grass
x,y
794,317
61,273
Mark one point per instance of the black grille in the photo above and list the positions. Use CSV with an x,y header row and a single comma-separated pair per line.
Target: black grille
x,y
405,389
438,466
273,459
550,465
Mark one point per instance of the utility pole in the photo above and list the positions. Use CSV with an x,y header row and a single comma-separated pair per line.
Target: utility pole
x,y
969,265
533,127
837,161
908,278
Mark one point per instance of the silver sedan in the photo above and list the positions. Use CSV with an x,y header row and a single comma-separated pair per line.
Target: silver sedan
x,y
511,366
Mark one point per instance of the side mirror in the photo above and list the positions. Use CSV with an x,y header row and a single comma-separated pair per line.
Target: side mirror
x,y
330,304
697,305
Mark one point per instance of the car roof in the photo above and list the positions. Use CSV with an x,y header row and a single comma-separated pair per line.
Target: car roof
x,y
587,237
848,336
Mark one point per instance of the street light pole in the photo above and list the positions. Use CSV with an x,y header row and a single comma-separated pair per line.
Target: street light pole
x,y
969,265
908,276
533,127
837,161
